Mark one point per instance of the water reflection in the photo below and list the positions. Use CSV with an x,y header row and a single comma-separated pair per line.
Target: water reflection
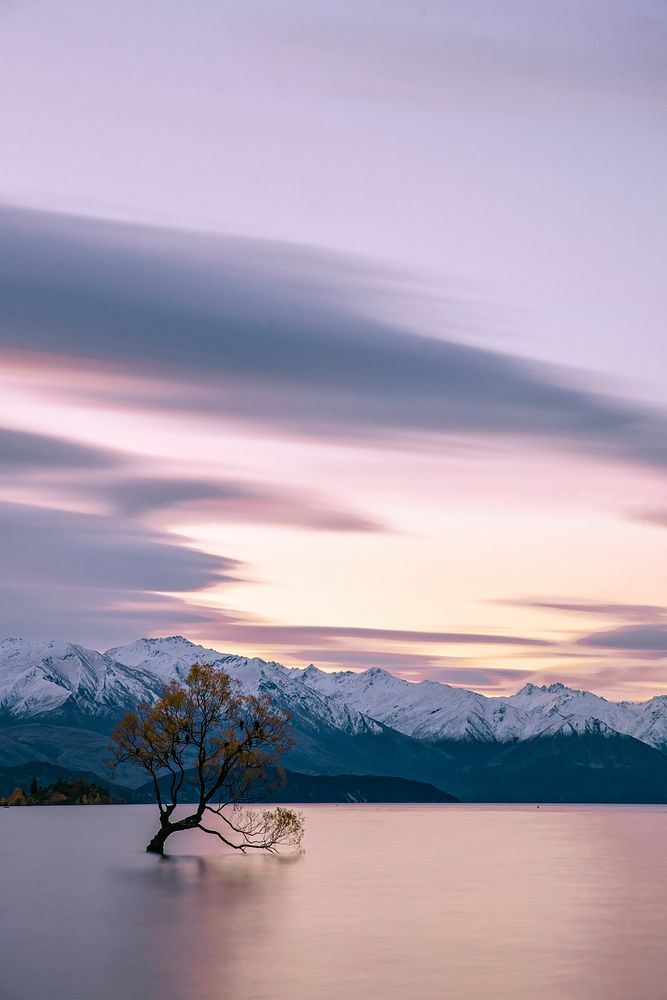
x,y
388,902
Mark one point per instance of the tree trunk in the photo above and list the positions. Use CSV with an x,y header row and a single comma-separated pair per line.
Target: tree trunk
x,y
156,845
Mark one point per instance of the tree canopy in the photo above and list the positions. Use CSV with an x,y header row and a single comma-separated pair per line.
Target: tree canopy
x,y
206,742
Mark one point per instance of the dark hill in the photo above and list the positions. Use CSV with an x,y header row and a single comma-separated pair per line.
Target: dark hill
x,y
297,787
355,788
21,776
584,767
301,788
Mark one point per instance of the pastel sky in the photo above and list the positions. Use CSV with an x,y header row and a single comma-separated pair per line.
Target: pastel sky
x,y
335,333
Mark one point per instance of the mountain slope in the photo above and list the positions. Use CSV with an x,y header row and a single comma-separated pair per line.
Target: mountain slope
x,y
61,680
593,764
330,737
426,711
439,713
58,701
65,682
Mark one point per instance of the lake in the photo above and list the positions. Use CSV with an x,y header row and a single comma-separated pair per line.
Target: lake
x,y
456,901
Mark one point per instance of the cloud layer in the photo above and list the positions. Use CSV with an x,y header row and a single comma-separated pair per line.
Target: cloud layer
x,y
54,547
265,336
21,451
630,638
227,500
80,576
609,609
278,335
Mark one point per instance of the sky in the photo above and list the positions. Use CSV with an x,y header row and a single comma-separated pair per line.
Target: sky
x,y
335,333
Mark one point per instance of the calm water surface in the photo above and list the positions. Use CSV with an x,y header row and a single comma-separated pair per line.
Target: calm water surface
x,y
504,902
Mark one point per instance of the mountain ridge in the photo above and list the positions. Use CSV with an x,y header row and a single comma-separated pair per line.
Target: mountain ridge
x,y
59,701
53,680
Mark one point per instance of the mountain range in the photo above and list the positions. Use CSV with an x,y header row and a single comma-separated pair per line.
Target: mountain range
x,y
58,702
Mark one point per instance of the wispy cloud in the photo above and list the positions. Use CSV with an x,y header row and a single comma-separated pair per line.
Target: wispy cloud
x,y
290,635
97,617
649,638
52,546
280,336
61,569
608,609
228,500
21,451
657,517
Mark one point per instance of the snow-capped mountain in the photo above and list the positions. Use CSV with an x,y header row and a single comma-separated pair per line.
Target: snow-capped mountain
x,y
172,657
557,704
39,679
331,737
439,713
52,680
426,711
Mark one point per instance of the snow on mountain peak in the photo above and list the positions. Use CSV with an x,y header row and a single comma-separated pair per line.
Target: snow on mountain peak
x,y
555,688
168,657
38,679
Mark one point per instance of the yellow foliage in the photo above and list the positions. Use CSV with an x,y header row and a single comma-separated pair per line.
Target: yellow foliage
x,y
205,736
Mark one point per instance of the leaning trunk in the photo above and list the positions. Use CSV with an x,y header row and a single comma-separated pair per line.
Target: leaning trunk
x,y
156,845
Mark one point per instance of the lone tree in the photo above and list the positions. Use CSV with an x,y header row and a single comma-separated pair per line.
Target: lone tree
x,y
204,740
